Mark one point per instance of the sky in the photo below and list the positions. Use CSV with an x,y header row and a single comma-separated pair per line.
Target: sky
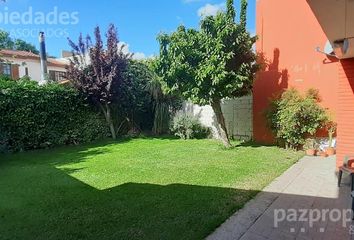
x,y
138,21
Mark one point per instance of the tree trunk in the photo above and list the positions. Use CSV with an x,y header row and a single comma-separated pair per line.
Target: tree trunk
x,y
107,114
216,105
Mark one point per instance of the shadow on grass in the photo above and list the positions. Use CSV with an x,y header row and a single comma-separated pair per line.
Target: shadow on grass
x,y
161,137
253,144
247,144
42,202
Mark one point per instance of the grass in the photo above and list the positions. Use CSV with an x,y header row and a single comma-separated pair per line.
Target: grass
x,y
133,189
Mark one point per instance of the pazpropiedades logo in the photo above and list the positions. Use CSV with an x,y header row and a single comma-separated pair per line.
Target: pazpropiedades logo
x,y
32,17
26,24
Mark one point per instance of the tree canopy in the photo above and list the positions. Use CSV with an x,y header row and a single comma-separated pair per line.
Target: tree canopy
x,y
99,72
214,62
6,42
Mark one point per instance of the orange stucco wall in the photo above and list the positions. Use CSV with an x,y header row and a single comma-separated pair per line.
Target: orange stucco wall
x,y
288,34
345,111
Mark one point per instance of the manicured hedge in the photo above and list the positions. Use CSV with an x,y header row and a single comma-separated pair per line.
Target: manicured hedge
x,y
33,116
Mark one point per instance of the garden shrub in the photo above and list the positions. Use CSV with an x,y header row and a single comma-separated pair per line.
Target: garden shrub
x,y
33,116
186,126
135,102
293,117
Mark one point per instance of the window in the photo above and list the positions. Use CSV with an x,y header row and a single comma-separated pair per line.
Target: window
x,y
6,69
57,76
26,71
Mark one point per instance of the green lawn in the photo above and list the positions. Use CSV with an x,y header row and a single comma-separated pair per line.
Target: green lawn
x,y
133,189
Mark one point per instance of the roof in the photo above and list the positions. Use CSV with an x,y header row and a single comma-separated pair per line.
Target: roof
x,y
19,54
57,62
29,55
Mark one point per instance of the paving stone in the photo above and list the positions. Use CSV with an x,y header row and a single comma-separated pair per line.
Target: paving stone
x,y
309,185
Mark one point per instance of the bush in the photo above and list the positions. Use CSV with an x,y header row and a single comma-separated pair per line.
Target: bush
x,y
33,116
187,126
135,102
293,117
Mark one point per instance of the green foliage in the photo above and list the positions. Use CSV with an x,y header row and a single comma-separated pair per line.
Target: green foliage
x,y
187,126
231,14
5,78
143,102
136,104
164,104
293,117
6,42
33,116
243,15
212,63
25,46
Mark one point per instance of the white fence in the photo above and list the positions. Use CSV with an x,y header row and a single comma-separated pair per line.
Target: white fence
x,y
237,113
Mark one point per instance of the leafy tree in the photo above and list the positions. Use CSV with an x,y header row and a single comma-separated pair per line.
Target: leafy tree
x,y
6,42
210,64
25,46
98,72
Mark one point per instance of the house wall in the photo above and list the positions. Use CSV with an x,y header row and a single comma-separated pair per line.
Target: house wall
x,y
237,113
345,114
288,34
34,67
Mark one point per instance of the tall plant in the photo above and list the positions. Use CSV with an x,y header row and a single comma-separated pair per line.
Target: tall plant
x,y
164,104
136,105
210,64
98,72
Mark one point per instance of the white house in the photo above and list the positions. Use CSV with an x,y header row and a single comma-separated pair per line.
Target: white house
x,y
18,64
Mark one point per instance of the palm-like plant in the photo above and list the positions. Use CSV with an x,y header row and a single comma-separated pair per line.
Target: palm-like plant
x,y
164,104
161,106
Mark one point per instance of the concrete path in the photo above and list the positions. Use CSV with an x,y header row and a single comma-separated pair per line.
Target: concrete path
x,y
303,203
